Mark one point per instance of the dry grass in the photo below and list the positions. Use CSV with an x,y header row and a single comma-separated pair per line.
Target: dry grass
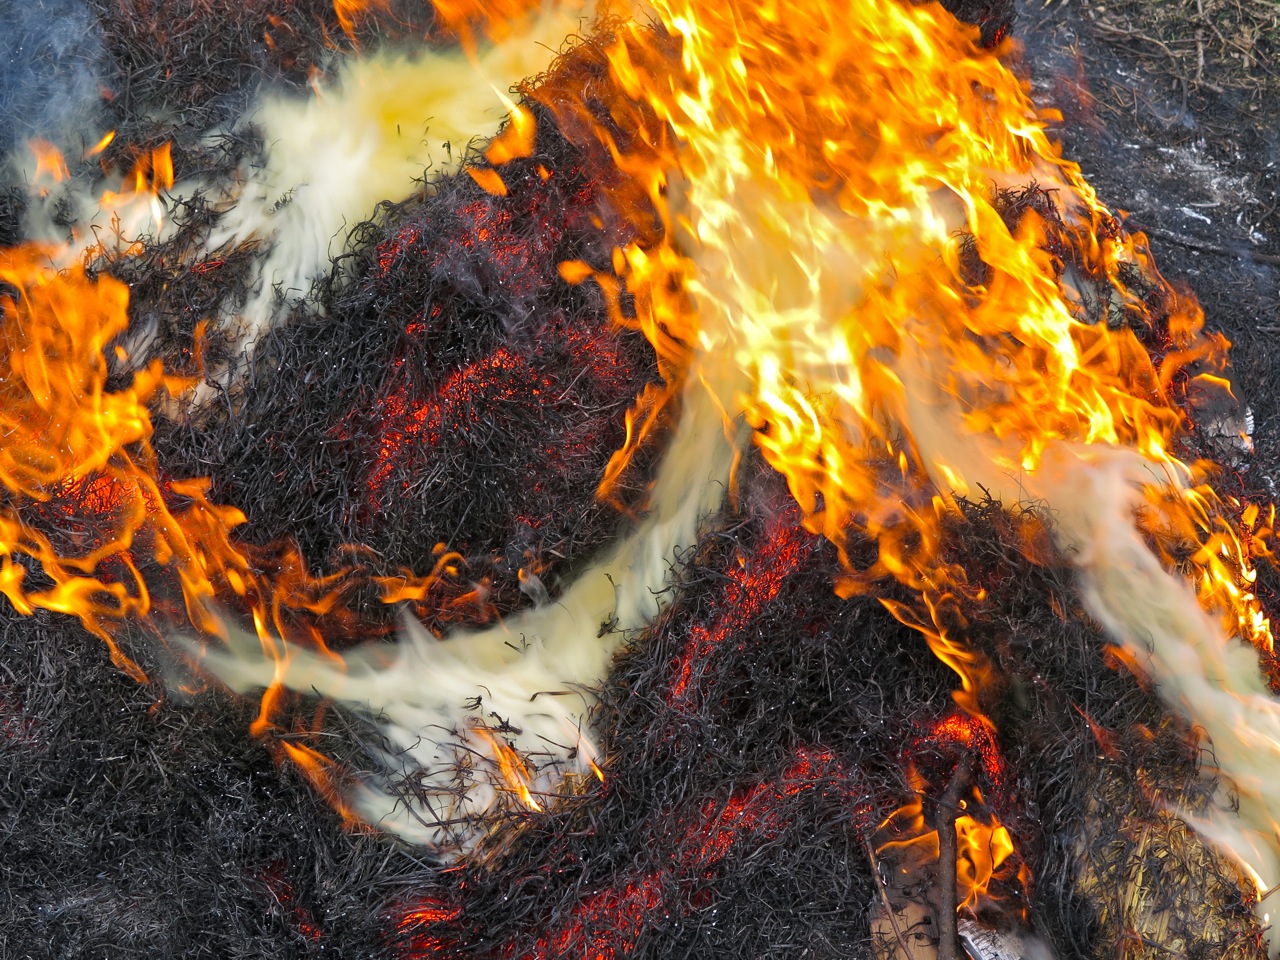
x,y
1219,45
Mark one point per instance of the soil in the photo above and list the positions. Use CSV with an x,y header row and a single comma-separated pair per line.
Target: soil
x,y
1196,169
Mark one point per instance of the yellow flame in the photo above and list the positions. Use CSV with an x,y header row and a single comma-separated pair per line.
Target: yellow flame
x,y
50,164
68,443
511,768
151,175
106,141
985,852
351,12
820,171
827,177
823,178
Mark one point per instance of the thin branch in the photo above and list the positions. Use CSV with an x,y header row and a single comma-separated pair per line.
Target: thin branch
x,y
948,807
884,900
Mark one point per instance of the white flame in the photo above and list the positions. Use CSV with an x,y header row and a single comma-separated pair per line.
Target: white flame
x,y
388,123
1091,495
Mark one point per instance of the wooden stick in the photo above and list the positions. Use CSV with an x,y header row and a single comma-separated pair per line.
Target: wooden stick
x,y
1191,243
884,900
948,808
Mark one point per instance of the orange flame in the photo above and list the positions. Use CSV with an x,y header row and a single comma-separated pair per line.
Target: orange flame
x,y
821,173
461,18
827,177
106,141
151,175
988,868
349,12
49,161
68,443
491,17
322,774
516,140
63,429
511,767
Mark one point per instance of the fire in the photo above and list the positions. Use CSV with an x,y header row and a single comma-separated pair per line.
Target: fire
x,y
986,859
88,510
63,430
113,222
864,148
102,144
349,11
151,175
984,850
870,251
49,162
863,209
493,17
511,767
988,869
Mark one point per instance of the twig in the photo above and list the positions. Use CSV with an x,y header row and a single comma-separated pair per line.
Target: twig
x,y
1205,247
948,807
1117,31
884,899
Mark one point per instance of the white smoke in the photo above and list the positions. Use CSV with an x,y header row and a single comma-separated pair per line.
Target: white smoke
x,y
387,125
52,71
447,705
390,121
1092,495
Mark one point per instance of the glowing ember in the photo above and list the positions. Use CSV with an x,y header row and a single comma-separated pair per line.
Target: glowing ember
x,y
870,252
826,180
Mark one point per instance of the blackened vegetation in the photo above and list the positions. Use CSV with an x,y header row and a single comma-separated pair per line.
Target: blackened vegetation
x,y
761,732
453,389
137,826
13,205
178,292
176,69
993,17
450,388
756,736
1097,763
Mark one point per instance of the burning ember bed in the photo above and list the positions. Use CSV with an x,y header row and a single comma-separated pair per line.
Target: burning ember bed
x,y
719,486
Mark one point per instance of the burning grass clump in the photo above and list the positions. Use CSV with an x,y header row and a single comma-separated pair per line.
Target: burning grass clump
x,y
764,730
761,738
1105,773
994,18
445,385
757,737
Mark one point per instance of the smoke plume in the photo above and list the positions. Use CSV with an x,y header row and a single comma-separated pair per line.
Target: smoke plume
x,y
52,69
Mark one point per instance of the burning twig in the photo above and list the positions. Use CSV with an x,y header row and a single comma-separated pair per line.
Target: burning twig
x,y
948,808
